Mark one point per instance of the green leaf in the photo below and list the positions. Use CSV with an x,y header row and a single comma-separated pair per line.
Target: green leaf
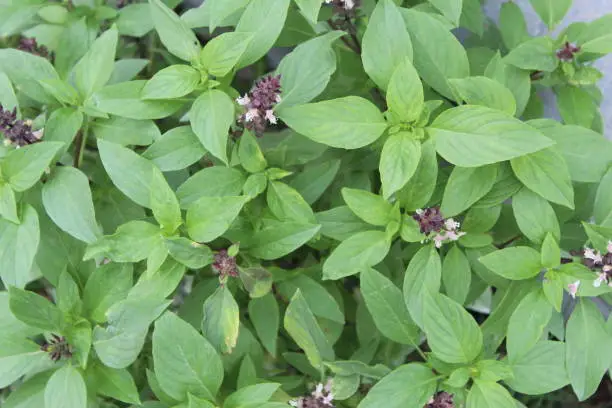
x,y
211,116
25,71
123,99
534,216
252,395
310,9
251,156
17,358
185,362
349,123
22,167
191,254
302,326
603,207
175,150
405,93
18,247
514,263
135,20
174,33
585,360
219,10
94,70
221,320
222,53
551,11
61,90
419,189
452,334
287,204
587,164
516,80
68,202
171,82
8,205
66,389
536,54
306,71
472,136
264,315
120,247
527,324
8,98
411,385
483,91
551,253
576,106
355,254
117,384
68,298
422,275
595,37
217,181
29,394
465,187
210,217
546,173
386,43
320,301
106,286
371,208
541,370
340,223
277,239
512,24
438,55
451,9
399,161
386,305
125,131
35,310
265,19
164,204
489,394
456,275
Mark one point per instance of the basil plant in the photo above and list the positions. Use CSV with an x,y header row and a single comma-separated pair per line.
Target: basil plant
x,y
307,203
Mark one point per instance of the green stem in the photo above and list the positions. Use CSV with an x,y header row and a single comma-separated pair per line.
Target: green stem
x,y
78,160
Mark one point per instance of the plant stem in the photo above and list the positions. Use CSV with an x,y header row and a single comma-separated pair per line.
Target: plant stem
x,y
81,143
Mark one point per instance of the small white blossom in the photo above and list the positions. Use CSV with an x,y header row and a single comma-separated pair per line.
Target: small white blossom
x,y
451,224
419,211
270,117
349,4
601,278
251,114
573,288
595,256
244,101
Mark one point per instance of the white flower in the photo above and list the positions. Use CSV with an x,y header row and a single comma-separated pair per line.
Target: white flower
x,y
573,288
601,277
270,117
607,268
451,224
419,211
318,392
595,256
296,403
244,101
278,98
349,4
251,114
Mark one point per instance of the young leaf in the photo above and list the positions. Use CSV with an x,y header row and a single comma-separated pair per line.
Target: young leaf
x,y
173,32
512,25
399,161
353,255
67,200
419,189
191,254
216,181
534,216
264,315
306,71
35,310
386,43
551,12
211,116
18,247
451,9
422,275
411,385
120,247
17,358
536,54
349,123
489,394
106,286
320,301
94,70
527,324
171,82
222,53
310,9
185,362
22,167
210,217
586,363
221,320
514,263
456,275
483,91
66,389
287,204
452,334
301,324
219,10
386,305
545,173
472,136
465,187
405,93
551,253
595,37
369,207
277,239
117,384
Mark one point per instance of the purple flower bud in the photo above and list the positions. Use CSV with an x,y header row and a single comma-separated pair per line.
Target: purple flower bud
x,y
441,400
321,397
566,54
430,220
259,103
31,46
57,348
16,131
225,265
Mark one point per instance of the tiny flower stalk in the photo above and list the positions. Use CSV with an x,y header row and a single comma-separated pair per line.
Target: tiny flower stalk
x,y
434,226
224,264
258,104
321,397
57,348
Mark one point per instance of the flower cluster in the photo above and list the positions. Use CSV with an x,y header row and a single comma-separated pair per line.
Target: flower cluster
x,y
30,45
225,265
259,103
432,222
566,54
321,397
17,132
441,400
601,264
57,348
343,5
